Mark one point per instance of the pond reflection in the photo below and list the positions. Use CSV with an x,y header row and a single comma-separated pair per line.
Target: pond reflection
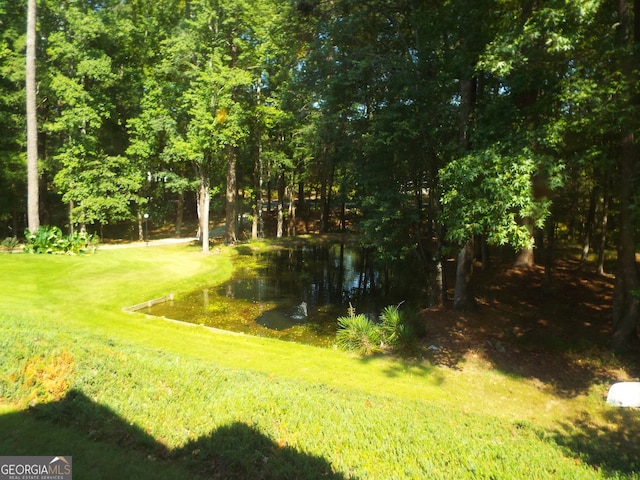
x,y
296,293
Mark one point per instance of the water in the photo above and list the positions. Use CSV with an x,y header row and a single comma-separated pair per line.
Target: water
x,y
296,294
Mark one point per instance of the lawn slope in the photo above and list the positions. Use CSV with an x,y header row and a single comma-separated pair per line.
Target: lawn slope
x,y
130,395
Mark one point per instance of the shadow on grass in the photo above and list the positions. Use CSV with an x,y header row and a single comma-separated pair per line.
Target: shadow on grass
x,y
401,364
244,250
105,445
613,448
556,336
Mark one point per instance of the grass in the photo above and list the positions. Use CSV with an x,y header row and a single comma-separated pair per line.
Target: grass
x,y
131,396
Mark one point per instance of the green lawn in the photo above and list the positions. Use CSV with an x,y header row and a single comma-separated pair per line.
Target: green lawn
x,y
130,396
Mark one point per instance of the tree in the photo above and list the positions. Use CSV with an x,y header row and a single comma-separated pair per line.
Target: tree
x,y
203,86
82,126
626,308
443,122
384,119
526,92
504,181
153,136
32,122
13,171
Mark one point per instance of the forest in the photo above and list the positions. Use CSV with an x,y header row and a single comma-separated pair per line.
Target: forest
x,y
431,128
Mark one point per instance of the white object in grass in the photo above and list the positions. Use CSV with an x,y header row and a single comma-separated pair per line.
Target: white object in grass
x,y
624,394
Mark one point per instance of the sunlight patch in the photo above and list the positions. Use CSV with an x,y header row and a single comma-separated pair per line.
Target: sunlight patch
x,y
46,379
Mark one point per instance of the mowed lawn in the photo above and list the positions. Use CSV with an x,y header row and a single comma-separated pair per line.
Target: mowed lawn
x,y
132,396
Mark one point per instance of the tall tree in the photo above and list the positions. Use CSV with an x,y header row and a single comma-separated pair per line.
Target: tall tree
x,y
83,127
13,168
626,299
33,209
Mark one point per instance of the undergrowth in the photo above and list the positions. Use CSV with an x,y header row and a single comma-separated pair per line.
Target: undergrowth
x,y
51,240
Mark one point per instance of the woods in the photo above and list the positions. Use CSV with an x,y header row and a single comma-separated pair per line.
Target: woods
x,y
436,125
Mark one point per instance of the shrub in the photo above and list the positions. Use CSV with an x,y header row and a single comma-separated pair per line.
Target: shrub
x,y
10,243
51,240
396,331
357,332
82,242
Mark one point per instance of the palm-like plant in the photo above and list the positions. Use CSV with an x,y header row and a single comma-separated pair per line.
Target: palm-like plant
x,y
357,332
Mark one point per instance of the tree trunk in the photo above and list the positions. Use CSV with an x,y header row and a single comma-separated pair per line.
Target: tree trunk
x,y
603,233
257,227
71,224
525,258
550,228
268,188
258,218
432,255
302,203
179,213
588,229
439,289
291,224
203,209
482,248
280,228
254,222
343,201
323,206
435,281
463,298
230,208
33,196
468,94
626,302
327,187
141,235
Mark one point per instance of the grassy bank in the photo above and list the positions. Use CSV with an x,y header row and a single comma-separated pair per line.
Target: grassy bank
x,y
137,397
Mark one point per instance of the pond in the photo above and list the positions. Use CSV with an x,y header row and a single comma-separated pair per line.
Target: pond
x,y
296,293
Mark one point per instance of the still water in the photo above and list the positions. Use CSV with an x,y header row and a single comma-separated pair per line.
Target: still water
x,y
297,293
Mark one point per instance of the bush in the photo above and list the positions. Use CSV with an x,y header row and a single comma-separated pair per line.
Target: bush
x,y
359,333
52,240
396,331
10,243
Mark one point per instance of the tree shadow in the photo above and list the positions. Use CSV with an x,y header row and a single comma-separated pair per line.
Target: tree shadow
x,y
244,250
104,445
400,364
613,448
556,336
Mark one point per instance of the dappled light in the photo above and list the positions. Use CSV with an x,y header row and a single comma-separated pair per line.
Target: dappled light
x,y
398,367
611,447
559,339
